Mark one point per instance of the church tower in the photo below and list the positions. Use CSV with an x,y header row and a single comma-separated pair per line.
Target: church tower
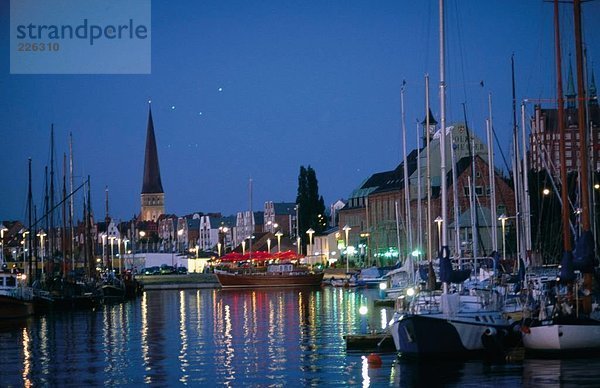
x,y
153,196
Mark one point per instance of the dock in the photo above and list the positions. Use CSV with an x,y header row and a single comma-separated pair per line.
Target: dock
x,y
373,342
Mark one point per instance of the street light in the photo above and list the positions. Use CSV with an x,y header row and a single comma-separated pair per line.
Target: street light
x,y
125,241
41,234
223,237
346,230
439,220
278,235
310,233
503,219
298,247
546,191
179,234
219,248
112,251
120,255
142,235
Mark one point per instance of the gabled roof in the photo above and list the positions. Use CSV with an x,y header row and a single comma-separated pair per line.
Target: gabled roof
x,y
152,182
395,181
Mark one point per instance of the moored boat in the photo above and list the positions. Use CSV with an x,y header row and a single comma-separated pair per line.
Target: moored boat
x,y
16,299
274,275
451,324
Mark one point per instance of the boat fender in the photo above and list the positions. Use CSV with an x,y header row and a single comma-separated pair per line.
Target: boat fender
x,y
490,331
374,360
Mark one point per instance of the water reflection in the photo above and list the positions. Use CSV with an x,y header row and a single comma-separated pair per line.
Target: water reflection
x,y
290,337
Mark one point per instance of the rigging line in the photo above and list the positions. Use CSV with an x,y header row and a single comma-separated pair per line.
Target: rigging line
x,y
461,52
58,204
500,149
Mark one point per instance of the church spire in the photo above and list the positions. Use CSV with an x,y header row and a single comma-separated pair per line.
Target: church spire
x,y
153,196
152,182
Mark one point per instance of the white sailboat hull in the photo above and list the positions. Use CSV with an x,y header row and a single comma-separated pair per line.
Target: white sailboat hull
x,y
555,337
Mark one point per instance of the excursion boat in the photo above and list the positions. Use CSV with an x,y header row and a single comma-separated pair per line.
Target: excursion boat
x,y
275,275
16,299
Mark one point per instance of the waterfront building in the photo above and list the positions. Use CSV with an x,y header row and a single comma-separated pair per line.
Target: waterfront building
x,y
376,211
153,195
280,216
247,224
545,135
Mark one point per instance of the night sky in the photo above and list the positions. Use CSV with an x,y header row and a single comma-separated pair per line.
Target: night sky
x,y
255,89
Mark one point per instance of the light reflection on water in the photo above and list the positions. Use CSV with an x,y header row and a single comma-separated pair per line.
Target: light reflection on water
x,y
236,338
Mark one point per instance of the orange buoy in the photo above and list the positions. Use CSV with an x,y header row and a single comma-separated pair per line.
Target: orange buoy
x,y
374,360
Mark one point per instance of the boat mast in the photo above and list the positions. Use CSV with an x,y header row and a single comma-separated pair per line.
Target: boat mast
x,y
29,210
515,158
409,241
444,195
456,207
89,248
71,207
584,177
51,231
428,177
526,205
491,176
419,198
64,217
430,272
46,210
567,247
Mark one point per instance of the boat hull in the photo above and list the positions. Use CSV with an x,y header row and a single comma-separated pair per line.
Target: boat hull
x,y
577,336
113,293
13,308
434,335
230,280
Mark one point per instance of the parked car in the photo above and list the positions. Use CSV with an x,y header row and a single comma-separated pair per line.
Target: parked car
x,y
182,270
152,271
167,269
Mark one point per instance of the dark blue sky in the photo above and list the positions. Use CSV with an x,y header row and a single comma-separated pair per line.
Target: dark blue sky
x,y
244,89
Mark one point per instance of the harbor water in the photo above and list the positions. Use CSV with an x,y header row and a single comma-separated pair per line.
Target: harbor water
x,y
240,338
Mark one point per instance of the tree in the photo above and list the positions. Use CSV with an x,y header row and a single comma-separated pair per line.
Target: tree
x,y
311,206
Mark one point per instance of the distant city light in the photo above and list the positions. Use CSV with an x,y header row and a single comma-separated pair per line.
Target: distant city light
x,y
220,89
172,107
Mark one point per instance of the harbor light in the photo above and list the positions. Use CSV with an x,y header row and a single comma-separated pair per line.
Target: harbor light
x,y
363,310
410,291
383,286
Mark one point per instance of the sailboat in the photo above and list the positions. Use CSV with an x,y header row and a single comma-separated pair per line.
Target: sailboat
x,y
563,323
449,323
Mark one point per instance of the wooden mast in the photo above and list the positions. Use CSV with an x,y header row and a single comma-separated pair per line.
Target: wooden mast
x,y
561,126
